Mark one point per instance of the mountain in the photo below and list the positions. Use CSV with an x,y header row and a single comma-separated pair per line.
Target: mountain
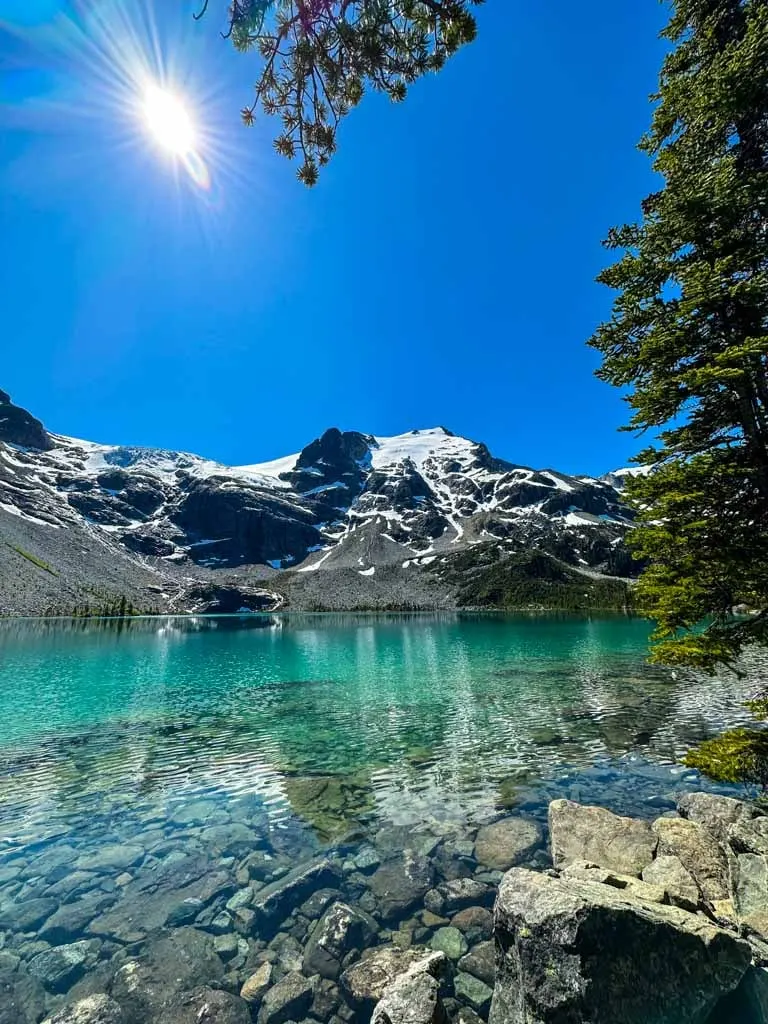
x,y
352,520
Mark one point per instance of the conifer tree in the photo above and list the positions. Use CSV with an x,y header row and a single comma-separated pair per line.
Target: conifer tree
x,y
319,56
688,336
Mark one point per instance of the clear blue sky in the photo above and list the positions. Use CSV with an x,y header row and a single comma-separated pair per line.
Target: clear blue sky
x,y
442,272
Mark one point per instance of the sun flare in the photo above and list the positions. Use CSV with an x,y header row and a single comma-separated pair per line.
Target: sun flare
x,y
168,121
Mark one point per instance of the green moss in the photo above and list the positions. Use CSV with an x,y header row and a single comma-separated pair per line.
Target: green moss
x,y
738,755
32,558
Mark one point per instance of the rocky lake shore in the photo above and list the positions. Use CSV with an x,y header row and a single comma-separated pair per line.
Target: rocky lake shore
x,y
585,916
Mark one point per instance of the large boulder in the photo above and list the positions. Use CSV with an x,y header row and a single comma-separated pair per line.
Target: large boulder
x,y
699,852
339,931
410,999
599,837
507,843
400,884
570,951
679,885
206,1006
749,880
365,981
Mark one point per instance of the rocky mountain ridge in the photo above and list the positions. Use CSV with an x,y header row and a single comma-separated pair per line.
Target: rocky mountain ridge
x,y
347,507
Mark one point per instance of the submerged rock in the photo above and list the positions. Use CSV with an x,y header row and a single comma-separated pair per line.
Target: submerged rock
x,y
274,902
97,1009
257,984
570,950
288,1000
449,941
507,843
59,967
410,999
207,1006
340,930
593,834
400,884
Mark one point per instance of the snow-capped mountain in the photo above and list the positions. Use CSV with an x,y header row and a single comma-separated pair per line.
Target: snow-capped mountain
x,y
347,501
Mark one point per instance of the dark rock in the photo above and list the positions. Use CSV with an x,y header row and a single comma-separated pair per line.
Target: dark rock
x,y
582,951
26,915
462,893
340,930
70,920
401,884
480,962
325,1002
59,967
288,1000
19,427
275,901
22,997
168,965
595,835
472,990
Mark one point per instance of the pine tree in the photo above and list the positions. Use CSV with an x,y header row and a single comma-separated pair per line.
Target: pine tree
x,y
688,336
319,56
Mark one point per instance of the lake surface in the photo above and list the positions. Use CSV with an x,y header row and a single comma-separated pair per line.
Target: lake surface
x,y
158,774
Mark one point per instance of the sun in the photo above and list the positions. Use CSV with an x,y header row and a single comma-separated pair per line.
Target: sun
x,y
168,121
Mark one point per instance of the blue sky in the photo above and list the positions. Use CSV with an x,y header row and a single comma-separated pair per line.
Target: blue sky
x,y
442,272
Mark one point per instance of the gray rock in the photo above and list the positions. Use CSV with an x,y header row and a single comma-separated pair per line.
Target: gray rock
x,y
400,884
59,967
326,1000
257,984
579,951
472,990
680,886
750,892
749,835
698,851
715,813
508,842
480,962
288,1000
410,999
71,920
22,997
595,835
226,946
26,915
340,930
108,858
96,1009
365,981
635,887
449,941
367,859
184,912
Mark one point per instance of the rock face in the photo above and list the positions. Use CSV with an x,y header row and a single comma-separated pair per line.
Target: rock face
x,y
595,835
347,504
19,427
570,950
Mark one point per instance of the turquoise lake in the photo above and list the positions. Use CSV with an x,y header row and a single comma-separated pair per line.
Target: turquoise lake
x,y
146,761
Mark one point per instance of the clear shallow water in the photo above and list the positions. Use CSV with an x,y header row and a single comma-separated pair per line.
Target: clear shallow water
x,y
300,734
